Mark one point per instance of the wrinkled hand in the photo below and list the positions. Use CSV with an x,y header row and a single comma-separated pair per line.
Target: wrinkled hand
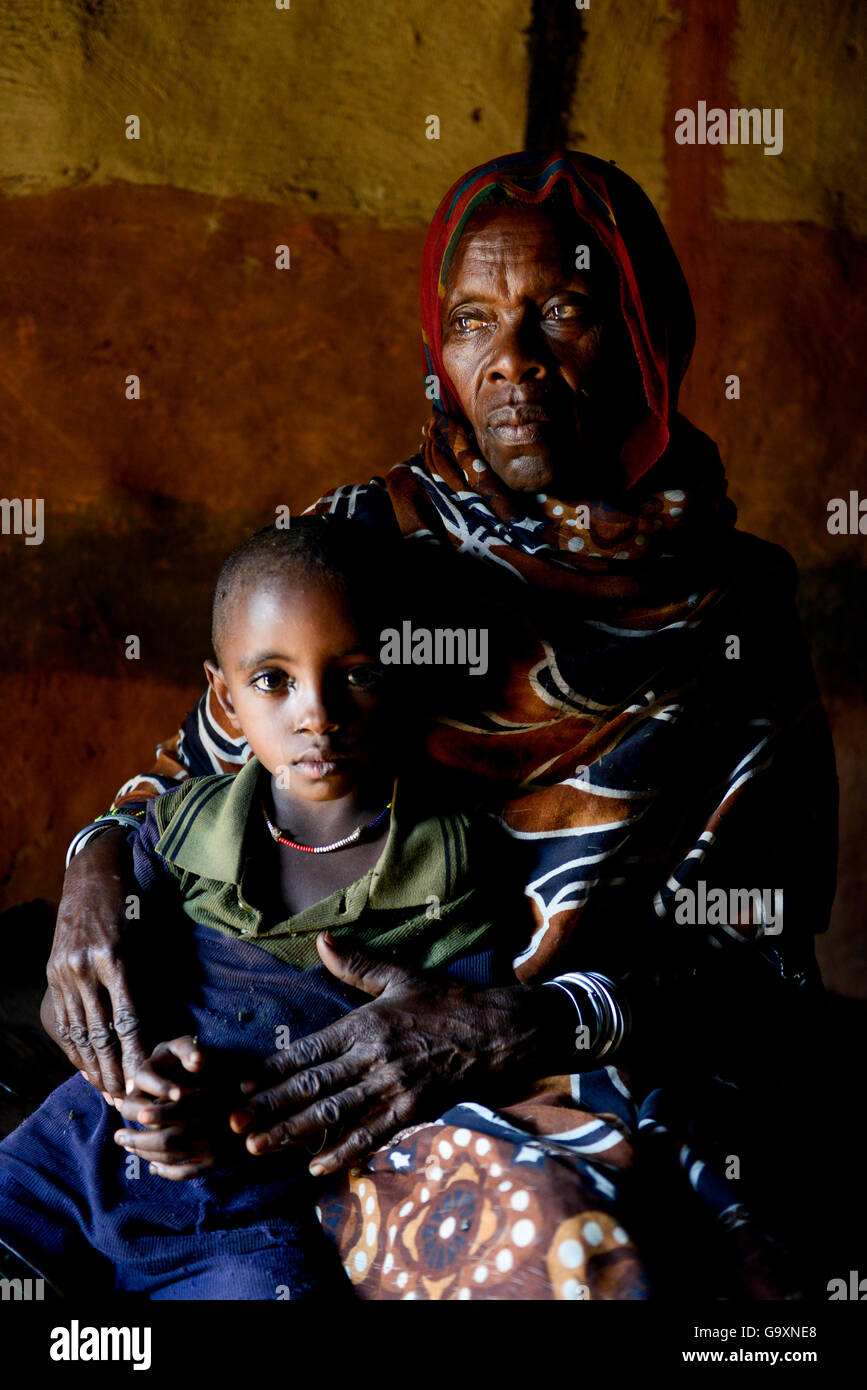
x,y
424,1043
95,1019
173,1095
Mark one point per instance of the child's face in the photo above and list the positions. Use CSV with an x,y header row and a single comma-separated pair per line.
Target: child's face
x,y
298,680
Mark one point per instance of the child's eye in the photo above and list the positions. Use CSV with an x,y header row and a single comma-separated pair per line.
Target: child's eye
x,y
270,681
365,677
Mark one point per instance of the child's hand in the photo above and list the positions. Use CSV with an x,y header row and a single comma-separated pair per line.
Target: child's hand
x,y
169,1095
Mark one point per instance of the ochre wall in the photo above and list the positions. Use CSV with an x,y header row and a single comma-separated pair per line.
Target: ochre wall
x,y
306,126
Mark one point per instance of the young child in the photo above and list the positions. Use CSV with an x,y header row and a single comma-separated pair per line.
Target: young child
x,y
242,880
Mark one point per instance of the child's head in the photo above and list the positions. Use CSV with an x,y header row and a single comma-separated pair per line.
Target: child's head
x,y
296,626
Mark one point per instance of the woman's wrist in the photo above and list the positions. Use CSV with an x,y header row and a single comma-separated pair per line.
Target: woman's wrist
x,y
528,1034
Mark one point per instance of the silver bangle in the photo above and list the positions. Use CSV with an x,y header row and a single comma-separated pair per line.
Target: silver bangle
x,y
560,984
81,838
621,1015
89,832
568,983
607,1015
612,1013
602,1014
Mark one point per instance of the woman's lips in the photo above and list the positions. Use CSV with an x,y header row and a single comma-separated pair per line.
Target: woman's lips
x,y
520,424
521,434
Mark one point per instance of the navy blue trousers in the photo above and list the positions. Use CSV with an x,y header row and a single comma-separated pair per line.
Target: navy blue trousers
x,y
92,1218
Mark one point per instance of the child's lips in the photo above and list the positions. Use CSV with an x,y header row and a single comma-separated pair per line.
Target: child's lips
x,y
322,766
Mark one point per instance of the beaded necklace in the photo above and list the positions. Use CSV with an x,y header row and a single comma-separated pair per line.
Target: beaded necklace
x,y
356,835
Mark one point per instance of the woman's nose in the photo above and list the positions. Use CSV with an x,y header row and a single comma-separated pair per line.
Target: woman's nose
x,y
518,355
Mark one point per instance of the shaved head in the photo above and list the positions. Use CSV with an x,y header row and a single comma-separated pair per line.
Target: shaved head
x,y
346,555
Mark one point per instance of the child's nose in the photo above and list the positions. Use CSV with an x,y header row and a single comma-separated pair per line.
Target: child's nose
x,y
316,713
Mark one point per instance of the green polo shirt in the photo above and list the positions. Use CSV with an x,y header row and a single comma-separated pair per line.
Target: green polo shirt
x,y
429,898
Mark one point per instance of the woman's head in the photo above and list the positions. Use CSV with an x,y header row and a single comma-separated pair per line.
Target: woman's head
x,y
556,318
296,620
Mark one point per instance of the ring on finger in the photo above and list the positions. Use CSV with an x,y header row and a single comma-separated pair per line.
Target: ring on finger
x,y
322,1144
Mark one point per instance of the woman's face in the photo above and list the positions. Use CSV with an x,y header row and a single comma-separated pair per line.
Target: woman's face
x,y
534,349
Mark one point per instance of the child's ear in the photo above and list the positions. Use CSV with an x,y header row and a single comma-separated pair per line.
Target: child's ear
x,y
217,682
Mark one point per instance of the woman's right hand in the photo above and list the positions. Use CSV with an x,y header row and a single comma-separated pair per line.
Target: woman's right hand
x,y
95,1019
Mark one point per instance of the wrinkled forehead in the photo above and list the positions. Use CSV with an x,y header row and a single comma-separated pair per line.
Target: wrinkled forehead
x,y
501,231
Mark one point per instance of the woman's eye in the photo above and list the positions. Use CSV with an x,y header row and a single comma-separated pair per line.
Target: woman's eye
x,y
562,312
465,322
270,681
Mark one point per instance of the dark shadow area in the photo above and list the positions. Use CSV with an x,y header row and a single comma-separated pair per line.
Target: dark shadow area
x,y
30,1064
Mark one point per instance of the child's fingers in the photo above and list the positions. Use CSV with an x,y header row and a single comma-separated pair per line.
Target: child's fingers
x,y
142,1109
187,1051
166,1073
151,1080
172,1144
176,1172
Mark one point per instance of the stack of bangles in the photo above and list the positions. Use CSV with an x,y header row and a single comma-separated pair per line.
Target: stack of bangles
x,y
131,816
611,1011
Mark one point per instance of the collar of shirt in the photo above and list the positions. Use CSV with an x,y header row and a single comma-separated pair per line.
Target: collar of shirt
x,y
424,856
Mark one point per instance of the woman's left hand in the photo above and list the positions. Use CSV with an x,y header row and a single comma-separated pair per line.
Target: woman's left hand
x,y
420,1046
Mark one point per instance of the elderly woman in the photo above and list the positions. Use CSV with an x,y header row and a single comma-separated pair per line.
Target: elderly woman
x,y
645,746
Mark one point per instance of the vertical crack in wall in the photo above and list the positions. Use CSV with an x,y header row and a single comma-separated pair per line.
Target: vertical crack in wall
x,y
554,42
